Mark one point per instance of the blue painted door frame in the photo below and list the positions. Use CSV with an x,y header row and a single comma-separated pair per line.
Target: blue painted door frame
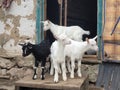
x,y
39,18
100,28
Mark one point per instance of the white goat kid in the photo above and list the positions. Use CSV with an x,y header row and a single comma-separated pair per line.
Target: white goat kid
x,y
73,32
58,58
76,50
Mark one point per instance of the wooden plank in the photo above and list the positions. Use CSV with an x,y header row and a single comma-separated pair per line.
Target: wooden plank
x,y
70,84
4,77
112,50
90,56
95,88
91,59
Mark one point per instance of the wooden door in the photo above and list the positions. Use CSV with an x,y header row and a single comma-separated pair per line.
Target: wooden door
x,y
112,42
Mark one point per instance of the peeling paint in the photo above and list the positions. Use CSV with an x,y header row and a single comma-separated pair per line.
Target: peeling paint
x,y
4,38
17,25
27,27
2,26
24,9
12,49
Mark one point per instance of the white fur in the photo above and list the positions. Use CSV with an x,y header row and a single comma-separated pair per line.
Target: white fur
x,y
76,50
58,58
73,32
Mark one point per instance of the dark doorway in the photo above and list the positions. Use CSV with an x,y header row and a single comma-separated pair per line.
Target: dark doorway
x,y
79,12
52,15
84,14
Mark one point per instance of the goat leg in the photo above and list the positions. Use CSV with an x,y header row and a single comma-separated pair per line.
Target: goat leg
x,y
35,70
43,73
43,62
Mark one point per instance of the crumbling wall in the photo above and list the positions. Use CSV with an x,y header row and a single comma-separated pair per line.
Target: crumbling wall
x,y
17,25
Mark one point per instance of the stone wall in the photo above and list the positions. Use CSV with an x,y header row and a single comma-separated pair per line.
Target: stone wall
x,y
16,68
17,24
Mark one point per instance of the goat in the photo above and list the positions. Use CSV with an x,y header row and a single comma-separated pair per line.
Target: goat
x,y
58,58
40,52
76,50
73,32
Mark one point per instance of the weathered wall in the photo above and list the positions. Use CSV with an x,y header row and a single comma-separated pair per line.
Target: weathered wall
x,y
17,24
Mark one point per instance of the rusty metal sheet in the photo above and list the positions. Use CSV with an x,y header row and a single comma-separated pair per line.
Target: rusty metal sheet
x,y
109,76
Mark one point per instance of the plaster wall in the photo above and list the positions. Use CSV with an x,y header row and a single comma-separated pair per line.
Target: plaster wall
x,y
17,25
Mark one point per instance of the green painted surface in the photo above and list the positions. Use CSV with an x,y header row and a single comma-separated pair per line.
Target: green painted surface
x,y
39,18
99,26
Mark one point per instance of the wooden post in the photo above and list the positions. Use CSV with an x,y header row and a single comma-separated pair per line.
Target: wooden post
x,y
38,25
61,5
65,13
99,27
39,18
42,18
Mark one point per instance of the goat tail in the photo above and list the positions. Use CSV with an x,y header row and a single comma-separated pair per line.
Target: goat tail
x,y
86,32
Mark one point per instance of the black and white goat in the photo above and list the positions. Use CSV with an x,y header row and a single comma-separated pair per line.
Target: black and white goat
x,y
40,52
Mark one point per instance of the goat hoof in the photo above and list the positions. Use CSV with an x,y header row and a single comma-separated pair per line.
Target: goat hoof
x,y
34,77
64,78
79,75
56,80
71,76
42,77
51,73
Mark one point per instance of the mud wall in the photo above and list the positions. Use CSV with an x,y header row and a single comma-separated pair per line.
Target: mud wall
x,y
17,25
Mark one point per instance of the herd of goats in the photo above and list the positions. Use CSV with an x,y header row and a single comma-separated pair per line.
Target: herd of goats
x,y
68,43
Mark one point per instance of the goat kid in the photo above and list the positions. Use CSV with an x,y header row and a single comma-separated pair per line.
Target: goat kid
x,y
73,32
76,50
40,52
58,58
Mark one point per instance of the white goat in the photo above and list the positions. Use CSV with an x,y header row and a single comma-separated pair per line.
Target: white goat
x,y
73,32
58,58
76,50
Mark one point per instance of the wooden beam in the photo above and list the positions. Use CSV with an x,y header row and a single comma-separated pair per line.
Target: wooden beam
x,y
99,27
38,25
61,12
71,84
65,13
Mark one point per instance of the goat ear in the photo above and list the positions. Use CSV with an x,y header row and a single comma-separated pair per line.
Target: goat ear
x,y
48,21
20,44
30,47
87,40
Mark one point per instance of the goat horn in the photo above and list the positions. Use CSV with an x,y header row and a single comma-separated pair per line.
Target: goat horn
x,y
95,37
